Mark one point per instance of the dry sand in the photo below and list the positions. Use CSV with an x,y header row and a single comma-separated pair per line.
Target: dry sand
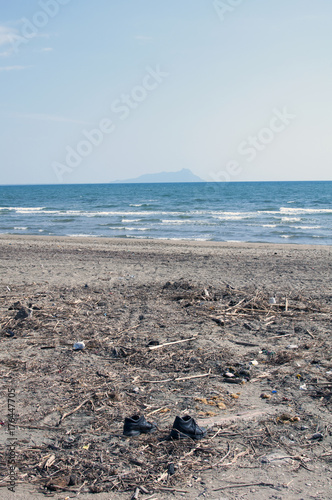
x,y
118,296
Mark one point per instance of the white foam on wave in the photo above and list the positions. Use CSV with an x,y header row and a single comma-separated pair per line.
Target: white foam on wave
x,y
307,227
269,225
231,217
83,235
20,228
290,219
295,211
24,209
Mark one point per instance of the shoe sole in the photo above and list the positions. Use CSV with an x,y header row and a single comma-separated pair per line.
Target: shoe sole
x,y
175,434
137,433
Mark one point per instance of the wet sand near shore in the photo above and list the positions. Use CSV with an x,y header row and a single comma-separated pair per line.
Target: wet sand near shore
x,y
170,328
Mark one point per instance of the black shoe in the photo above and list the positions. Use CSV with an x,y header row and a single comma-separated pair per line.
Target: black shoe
x,y
186,427
136,425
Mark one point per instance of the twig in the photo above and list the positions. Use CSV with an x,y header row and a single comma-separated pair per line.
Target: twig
x,y
176,379
152,347
245,485
156,411
135,495
221,460
310,334
65,415
194,376
163,488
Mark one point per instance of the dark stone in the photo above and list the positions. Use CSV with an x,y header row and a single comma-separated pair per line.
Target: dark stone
x,y
22,313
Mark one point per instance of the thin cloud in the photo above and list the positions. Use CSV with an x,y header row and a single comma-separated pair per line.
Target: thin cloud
x,y
14,68
7,35
45,49
52,118
143,38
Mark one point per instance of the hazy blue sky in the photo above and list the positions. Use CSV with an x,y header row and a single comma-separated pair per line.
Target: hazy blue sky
x,y
93,91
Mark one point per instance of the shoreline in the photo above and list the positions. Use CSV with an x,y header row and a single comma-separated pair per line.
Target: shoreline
x,y
155,241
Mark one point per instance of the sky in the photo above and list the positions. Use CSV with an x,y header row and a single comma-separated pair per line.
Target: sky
x,y
102,90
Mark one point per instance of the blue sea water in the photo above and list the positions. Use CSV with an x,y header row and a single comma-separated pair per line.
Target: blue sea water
x,y
276,212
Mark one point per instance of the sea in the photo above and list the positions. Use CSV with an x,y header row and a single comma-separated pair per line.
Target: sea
x,y
269,212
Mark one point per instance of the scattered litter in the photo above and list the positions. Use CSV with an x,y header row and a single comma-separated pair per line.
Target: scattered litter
x,y
265,396
285,418
272,300
318,436
78,346
292,346
275,457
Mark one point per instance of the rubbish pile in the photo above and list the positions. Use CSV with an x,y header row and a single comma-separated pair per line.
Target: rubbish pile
x,y
255,374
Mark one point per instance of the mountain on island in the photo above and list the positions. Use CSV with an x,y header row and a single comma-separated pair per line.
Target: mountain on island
x,y
184,175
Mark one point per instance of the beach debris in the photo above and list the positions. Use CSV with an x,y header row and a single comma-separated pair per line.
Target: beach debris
x,y
171,469
78,346
152,347
318,436
136,425
186,427
292,346
265,396
217,401
272,300
152,342
23,313
275,457
101,391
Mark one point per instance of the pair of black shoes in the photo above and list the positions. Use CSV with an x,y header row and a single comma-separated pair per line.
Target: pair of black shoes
x,y
184,427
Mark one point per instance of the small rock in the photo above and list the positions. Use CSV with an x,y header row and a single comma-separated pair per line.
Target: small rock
x,y
170,469
265,396
23,313
318,436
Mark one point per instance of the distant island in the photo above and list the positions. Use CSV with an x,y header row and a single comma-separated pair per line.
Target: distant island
x,y
184,175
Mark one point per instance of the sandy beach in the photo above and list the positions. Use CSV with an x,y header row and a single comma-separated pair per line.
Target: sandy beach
x,y
170,328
